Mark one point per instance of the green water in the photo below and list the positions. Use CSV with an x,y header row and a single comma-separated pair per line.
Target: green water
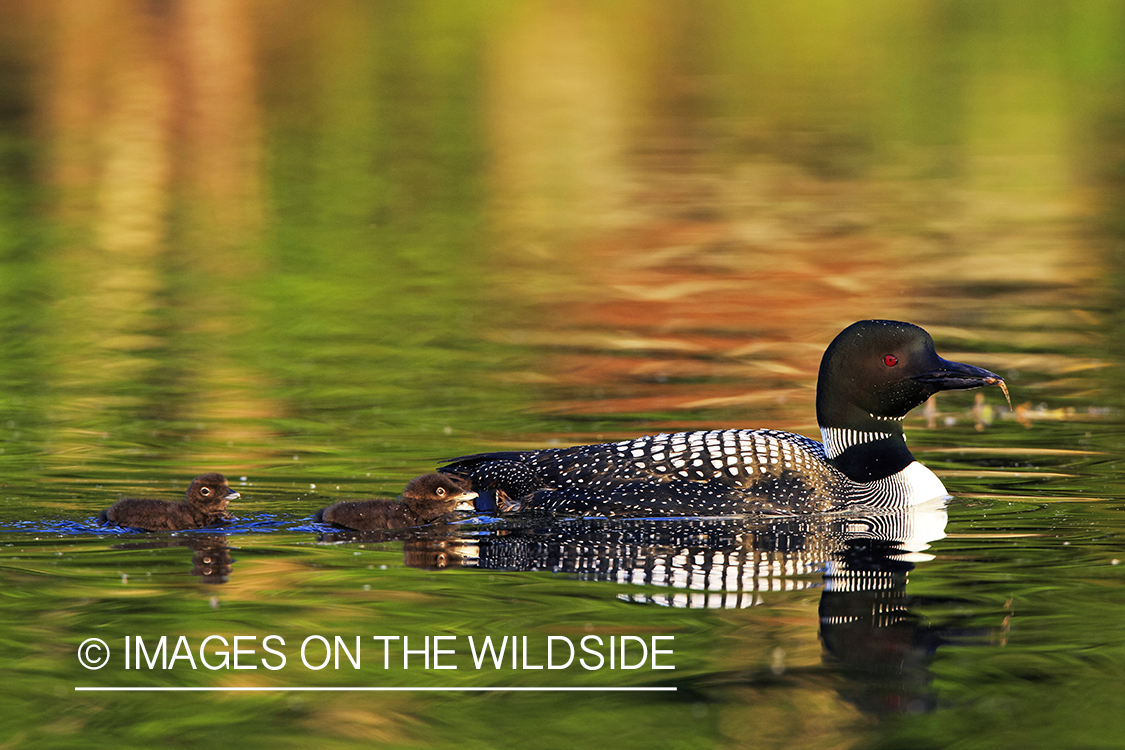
x,y
320,250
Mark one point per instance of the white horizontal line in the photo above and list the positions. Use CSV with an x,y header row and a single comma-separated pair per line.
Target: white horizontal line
x,y
135,689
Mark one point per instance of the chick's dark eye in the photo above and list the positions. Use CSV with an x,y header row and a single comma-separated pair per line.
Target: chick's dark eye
x,y
205,491
441,492
890,360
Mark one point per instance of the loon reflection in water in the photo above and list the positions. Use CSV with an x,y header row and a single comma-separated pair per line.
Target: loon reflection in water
x,y
877,648
711,562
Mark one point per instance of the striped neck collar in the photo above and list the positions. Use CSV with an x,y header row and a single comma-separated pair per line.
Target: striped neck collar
x,y
839,439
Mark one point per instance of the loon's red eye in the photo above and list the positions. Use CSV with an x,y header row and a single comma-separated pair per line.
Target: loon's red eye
x,y
890,360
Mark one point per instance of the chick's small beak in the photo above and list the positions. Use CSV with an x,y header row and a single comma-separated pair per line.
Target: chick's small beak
x,y
465,500
232,495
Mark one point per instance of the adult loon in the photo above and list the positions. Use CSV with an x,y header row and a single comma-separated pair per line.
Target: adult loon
x,y
871,375
205,505
428,498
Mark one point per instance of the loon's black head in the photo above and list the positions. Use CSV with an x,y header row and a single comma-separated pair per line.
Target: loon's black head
x,y
872,374
881,369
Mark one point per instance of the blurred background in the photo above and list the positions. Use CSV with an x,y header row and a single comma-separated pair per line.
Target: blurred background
x,y
236,231
321,246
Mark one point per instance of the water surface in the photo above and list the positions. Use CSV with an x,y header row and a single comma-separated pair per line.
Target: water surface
x,y
322,249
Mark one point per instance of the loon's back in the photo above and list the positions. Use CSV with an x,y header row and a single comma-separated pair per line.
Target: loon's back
x,y
717,472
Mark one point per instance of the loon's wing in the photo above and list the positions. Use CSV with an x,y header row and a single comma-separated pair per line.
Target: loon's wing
x,y
508,472
787,494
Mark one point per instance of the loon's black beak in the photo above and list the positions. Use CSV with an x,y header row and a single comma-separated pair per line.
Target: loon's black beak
x,y
955,376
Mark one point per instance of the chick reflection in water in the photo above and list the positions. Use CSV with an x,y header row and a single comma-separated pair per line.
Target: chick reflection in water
x,y
211,560
427,499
